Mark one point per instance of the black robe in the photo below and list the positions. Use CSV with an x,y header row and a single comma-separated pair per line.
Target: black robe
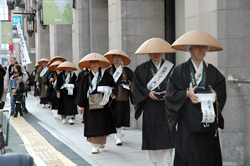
x,y
155,131
53,97
66,102
194,145
97,122
46,82
121,110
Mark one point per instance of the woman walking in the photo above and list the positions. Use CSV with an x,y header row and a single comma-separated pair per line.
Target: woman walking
x,y
16,80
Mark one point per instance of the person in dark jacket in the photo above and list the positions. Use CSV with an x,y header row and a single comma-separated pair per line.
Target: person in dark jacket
x,y
94,99
149,89
196,95
123,77
65,91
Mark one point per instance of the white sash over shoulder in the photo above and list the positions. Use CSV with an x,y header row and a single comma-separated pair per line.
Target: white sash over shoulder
x,y
160,75
94,82
117,73
44,71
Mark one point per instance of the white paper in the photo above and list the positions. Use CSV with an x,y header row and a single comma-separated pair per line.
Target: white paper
x,y
107,92
207,108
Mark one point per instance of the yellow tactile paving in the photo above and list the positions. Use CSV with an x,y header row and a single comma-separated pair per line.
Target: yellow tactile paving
x,y
42,152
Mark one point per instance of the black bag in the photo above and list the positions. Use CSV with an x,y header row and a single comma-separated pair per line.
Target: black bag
x,y
21,88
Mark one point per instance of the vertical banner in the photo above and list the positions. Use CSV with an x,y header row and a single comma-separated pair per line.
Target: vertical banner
x,y
25,59
6,32
57,12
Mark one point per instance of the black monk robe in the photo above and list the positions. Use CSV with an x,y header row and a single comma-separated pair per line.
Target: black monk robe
x,y
155,131
121,109
66,102
97,122
194,146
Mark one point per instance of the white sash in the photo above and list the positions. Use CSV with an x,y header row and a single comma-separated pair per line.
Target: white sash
x,y
44,71
94,81
160,75
107,92
207,108
68,86
117,73
198,73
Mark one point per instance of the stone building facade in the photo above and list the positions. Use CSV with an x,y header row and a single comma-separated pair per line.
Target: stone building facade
x,y
100,25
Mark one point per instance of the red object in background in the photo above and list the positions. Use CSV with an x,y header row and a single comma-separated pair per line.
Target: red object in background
x,y
11,47
12,55
9,14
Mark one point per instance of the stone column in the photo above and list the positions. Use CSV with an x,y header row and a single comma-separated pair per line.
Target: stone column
x,y
42,40
130,24
61,41
233,33
80,31
98,21
228,21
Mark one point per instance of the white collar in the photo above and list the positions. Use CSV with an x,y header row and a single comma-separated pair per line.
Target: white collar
x,y
157,65
94,72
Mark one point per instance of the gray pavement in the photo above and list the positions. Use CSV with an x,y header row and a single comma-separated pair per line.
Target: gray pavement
x,y
72,143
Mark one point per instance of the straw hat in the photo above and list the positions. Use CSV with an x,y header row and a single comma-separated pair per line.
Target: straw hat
x,y
197,37
65,64
125,58
155,45
56,58
84,62
40,62
36,65
52,66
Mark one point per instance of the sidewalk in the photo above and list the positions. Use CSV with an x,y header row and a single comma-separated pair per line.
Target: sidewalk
x,y
129,154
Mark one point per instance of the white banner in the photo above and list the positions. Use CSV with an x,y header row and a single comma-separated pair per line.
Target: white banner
x,y
25,59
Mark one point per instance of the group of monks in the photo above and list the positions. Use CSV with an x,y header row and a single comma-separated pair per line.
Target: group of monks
x,y
181,105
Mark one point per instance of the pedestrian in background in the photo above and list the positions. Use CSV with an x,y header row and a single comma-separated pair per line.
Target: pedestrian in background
x,y
123,77
9,73
197,141
65,90
33,83
149,89
40,79
48,79
15,84
53,81
94,99
2,89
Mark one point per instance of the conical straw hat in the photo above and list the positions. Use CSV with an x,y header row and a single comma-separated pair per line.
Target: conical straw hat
x,y
125,58
84,62
56,58
65,64
52,66
155,45
36,65
40,62
197,37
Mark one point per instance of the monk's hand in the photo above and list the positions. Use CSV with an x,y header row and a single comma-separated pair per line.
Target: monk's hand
x,y
46,87
152,96
37,84
213,91
58,95
191,95
81,110
130,83
51,80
